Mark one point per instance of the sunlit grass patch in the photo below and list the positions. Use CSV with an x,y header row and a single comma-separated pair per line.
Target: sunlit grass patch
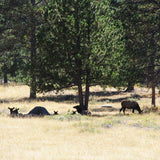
x,y
112,121
105,134
87,127
64,117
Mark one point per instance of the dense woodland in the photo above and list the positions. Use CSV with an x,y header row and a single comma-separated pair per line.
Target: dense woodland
x,y
57,44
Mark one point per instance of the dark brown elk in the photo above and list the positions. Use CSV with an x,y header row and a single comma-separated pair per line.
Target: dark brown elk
x,y
130,105
55,113
39,111
81,111
36,111
13,111
78,108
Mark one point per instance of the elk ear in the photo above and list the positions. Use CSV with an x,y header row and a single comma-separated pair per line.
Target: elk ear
x,y
76,107
11,108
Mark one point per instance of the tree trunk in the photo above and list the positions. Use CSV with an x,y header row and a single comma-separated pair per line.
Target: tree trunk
x,y
86,97
32,89
78,61
87,92
88,71
80,94
130,87
153,95
33,55
5,78
153,86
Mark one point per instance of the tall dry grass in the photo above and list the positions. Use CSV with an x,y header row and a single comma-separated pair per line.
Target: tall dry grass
x,y
104,136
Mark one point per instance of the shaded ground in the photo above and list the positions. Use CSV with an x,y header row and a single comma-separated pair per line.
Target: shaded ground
x,y
100,96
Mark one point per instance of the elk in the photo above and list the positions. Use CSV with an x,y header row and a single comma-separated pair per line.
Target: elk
x,y
81,111
36,111
130,105
13,111
39,111
55,113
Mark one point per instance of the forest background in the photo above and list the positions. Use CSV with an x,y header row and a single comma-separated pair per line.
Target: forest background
x,y
53,45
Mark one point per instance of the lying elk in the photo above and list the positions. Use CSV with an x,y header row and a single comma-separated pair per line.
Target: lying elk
x,y
39,111
82,111
130,105
55,113
36,111
13,111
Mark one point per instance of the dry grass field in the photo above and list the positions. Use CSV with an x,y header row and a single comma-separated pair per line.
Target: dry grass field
x,y
106,135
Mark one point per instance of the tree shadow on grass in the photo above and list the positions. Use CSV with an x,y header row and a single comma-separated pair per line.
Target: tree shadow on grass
x,y
70,98
115,100
104,109
102,94
57,98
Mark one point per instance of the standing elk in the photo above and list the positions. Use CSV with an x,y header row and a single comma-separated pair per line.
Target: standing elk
x,y
130,105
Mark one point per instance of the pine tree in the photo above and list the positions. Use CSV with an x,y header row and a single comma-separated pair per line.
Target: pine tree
x,y
141,21
78,44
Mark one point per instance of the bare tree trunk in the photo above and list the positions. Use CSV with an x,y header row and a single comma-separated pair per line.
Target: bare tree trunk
x,y
153,95
153,77
153,87
87,92
5,78
80,94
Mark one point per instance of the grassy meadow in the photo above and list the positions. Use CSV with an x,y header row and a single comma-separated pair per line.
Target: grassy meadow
x,y
106,135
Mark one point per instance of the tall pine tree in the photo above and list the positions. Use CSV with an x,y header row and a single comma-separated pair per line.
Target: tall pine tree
x,y
78,44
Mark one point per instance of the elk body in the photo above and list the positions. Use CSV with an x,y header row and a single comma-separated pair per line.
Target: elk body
x,y
130,105
36,111
39,111
81,111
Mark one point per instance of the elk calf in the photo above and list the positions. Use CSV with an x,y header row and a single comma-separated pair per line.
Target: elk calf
x,y
130,105
55,113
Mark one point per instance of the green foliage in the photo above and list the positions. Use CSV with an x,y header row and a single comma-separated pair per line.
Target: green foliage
x,y
80,39
141,25
15,39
